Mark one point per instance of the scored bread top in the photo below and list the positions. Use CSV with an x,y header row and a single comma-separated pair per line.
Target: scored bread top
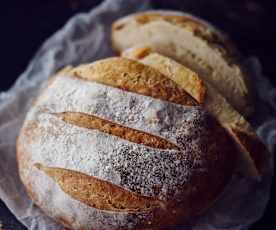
x,y
178,37
81,131
140,113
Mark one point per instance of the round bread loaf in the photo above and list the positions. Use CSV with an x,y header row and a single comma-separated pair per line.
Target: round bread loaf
x,y
117,145
193,43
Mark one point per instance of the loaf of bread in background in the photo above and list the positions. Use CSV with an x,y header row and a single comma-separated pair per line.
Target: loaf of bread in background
x,y
192,42
251,158
117,145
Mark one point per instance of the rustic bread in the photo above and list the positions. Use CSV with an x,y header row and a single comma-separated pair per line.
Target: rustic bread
x,y
193,43
98,152
252,159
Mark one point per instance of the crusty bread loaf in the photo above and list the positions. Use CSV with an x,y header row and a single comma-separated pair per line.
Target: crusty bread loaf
x,y
100,151
193,43
252,159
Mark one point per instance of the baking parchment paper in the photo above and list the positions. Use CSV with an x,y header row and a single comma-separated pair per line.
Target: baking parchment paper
x,y
85,38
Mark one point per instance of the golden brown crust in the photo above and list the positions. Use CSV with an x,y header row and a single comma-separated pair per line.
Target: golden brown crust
x,y
98,193
93,122
135,77
184,77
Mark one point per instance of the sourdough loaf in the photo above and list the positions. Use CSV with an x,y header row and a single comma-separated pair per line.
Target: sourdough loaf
x,y
251,158
117,145
193,43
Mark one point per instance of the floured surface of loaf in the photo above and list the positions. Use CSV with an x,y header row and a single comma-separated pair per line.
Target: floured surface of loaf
x,y
82,133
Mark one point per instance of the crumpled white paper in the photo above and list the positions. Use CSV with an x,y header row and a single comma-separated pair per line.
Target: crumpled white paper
x,y
85,38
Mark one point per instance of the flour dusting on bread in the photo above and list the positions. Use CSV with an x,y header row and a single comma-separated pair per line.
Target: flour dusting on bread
x,y
145,170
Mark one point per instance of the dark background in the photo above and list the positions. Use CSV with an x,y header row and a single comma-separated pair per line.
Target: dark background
x,y
26,24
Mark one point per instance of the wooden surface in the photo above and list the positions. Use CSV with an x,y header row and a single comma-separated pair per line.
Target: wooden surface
x,y
26,24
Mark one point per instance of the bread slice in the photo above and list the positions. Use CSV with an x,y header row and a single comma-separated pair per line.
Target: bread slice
x,y
214,102
193,43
